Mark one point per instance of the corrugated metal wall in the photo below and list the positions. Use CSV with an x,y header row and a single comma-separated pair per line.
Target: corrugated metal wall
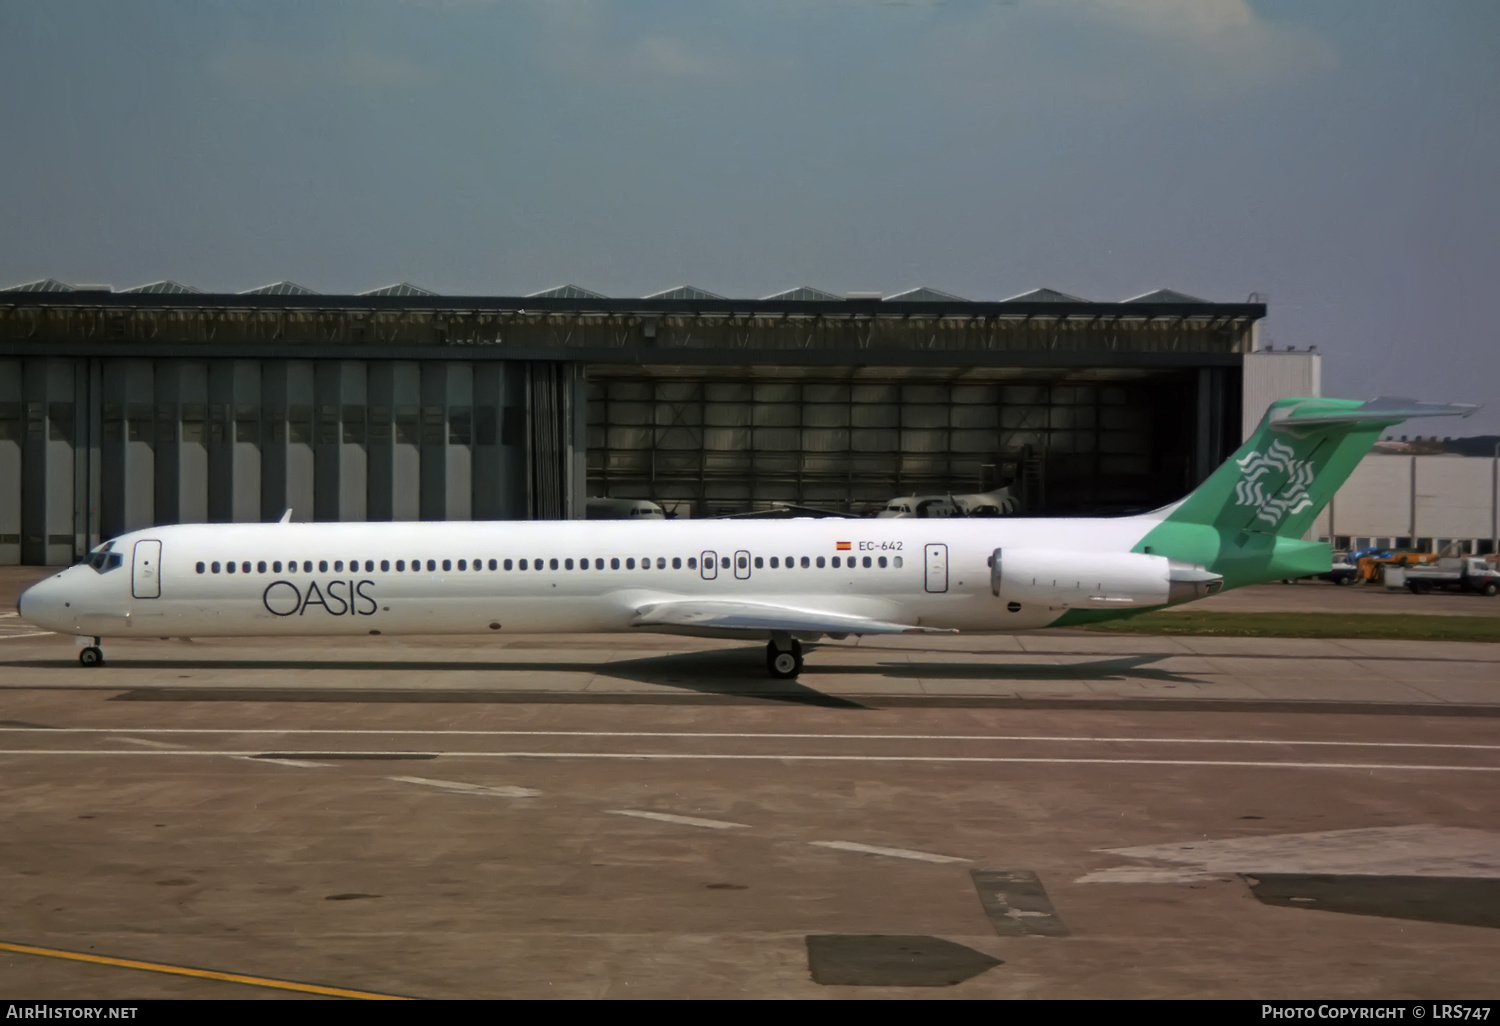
x,y
1415,501
1271,375
92,448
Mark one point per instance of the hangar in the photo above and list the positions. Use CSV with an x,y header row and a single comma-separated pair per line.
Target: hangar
x,y
164,404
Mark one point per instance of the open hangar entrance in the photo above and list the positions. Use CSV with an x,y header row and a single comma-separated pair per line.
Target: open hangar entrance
x,y
161,404
706,442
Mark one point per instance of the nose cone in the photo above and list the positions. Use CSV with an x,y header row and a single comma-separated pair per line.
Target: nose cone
x,y
43,605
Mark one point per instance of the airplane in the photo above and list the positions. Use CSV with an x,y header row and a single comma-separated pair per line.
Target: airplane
x,y
623,509
782,582
983,504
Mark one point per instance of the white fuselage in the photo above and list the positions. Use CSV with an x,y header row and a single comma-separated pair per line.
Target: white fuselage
x,y
452,578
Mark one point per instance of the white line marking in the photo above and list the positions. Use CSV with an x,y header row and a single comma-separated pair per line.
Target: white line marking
x,y
458,787
667,817
1079,739
149,743
895,853
27,634
1230,763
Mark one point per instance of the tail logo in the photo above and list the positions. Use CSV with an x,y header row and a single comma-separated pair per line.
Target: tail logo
x,y
1260,469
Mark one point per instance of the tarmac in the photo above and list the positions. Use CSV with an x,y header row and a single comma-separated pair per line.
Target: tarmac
x,y
1058,814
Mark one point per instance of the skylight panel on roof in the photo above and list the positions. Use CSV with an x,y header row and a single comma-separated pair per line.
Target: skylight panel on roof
x,y
45,285
1045,296
923,294
280,288
1165,296
569,291
684,292
401,288
803,294
164,287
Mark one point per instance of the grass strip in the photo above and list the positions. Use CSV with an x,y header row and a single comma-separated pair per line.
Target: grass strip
x,y
1310,625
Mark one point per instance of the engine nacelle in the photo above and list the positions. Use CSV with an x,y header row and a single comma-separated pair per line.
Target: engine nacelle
x,y
1063,579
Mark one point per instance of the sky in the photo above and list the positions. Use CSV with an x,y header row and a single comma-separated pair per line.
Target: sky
x,y
1337,157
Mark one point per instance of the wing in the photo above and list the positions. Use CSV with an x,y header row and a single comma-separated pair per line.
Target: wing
x,y
762,619
786,510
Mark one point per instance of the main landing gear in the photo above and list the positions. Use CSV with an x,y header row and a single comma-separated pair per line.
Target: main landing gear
x,y
784,662
93,655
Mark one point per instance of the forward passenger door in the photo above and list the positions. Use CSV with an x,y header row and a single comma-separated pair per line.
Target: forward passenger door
x,y
145,570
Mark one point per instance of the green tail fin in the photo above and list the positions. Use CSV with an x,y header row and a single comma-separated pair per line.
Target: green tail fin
x,y
1247,520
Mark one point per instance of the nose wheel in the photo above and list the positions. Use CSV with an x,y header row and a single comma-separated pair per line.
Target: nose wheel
x,y
92,656
784,663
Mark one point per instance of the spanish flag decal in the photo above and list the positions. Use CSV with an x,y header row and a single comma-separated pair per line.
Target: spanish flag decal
x,y
843,546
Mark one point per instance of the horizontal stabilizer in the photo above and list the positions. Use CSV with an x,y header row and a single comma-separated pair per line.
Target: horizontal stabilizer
x,y
1384,410
758,618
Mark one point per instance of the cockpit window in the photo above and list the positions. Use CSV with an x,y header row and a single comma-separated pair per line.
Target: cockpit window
x,y
104,562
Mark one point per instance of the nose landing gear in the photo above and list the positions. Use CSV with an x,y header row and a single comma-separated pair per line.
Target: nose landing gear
x,y
92,656
784,663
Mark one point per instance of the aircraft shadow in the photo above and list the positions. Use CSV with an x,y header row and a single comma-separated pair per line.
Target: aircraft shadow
x,y
719,674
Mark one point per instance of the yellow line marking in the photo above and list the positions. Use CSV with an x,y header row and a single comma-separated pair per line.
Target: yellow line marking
x,y
203,974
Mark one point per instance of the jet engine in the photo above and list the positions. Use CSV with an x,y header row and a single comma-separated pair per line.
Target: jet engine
x,y
1064,579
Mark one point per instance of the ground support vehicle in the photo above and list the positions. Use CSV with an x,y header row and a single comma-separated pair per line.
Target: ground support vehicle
x,y
1465,573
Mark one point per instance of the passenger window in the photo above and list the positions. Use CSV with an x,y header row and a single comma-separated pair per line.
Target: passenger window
x,y
307,566
630,563
897,561
567,564
508,564
260,567
245,566
692,562
200,567
775,563
536,564
552,562
820,562
614,563
276,567
661,562
401,565
759,562
723,562
432,564
742,562
806,562
790,562
229,567
214,566
676,562
836,562
494,565
463,564
447,564
370,566
599,564
338,566
385,566
523,564
882,562
646,563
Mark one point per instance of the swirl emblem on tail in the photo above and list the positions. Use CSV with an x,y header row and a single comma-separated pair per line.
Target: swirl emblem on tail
x,y
1259,488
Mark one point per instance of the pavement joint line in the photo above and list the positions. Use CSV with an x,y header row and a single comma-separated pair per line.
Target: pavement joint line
x,y
896,853
771,757
742,735
204,974
667,817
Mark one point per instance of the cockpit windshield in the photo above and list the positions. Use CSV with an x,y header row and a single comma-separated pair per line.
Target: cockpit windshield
x,y
103,560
